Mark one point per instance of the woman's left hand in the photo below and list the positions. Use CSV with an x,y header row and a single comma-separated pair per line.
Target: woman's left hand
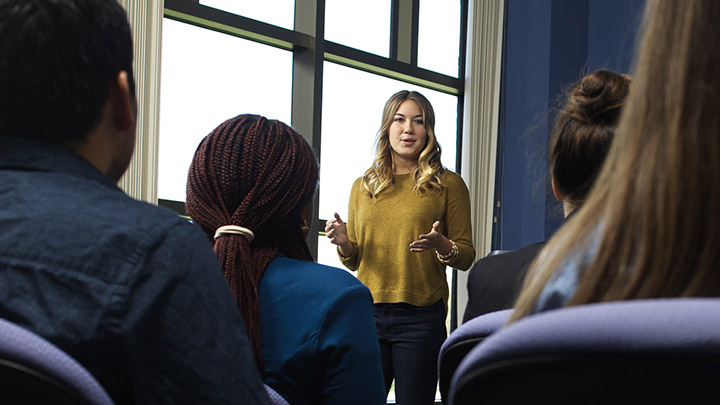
x,y
432,240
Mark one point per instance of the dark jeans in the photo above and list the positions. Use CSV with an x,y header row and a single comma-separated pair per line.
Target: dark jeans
x,y
410,339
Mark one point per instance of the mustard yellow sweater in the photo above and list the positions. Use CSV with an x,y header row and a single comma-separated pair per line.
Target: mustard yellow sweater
x,y
381,232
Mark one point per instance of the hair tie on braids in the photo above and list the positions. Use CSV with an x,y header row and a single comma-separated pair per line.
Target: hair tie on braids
x,y
235,230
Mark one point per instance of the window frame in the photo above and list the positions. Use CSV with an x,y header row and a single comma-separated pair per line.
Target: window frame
x,y
310,50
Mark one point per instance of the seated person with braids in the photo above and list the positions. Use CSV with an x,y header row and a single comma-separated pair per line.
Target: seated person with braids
x,y
250,187
579,142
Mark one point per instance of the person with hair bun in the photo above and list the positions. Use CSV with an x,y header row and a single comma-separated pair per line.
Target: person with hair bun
x,y
408,218
650,227
250,187
582,133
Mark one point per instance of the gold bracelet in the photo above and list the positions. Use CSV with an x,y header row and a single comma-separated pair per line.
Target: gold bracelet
x,y
450,256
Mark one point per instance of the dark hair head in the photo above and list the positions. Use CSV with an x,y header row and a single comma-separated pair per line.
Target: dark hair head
x,y
57,58
583,132
258,174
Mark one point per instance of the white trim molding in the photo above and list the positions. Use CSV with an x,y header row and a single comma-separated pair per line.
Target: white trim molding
x,y
140,179
481,118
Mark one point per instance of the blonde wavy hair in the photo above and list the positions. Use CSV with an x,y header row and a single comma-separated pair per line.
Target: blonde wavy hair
x,y
427,173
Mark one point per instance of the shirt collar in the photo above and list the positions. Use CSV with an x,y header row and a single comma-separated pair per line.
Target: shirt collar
x,y
38,155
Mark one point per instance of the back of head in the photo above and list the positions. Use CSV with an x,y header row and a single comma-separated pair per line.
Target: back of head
x,y
654,205
57,58
583,131
258,174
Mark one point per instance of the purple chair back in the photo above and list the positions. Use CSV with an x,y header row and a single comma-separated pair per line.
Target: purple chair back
x,y
665,350
34,370
462,340
275,398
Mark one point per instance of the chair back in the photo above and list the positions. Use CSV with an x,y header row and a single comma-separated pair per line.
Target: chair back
x,y
640,351
462,340
275,397
33,370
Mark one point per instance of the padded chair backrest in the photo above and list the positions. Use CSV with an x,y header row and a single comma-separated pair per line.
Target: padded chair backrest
x,y
275,398
462,340
33,370
641,351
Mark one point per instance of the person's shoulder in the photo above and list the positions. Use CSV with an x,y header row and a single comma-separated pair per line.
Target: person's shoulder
x,y
356,186
531,250
148,224
451,179
151,214
94,205
320,275
510,259
526,251
159,215
155,227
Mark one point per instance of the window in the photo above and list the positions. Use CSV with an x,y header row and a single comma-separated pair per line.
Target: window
x,y
224,57
439,36
207,78
276,12
363,25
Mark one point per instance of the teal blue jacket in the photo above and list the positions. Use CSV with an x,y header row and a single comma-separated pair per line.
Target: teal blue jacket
x,y
319,341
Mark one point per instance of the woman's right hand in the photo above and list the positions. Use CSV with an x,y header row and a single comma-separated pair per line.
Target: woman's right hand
x,y
336,231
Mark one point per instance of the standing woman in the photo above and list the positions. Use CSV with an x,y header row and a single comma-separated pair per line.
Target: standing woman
x,y
408,218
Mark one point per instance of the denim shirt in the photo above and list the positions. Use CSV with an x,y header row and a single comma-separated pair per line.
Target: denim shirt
x,y
131,291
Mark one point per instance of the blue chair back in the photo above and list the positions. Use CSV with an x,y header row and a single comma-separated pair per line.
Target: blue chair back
x,y
462,340
275,397
640,351
33,370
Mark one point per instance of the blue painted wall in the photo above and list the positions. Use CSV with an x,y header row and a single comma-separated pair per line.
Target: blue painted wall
x,y
549,44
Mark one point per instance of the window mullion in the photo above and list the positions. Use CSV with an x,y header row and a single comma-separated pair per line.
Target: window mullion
x,y
307,88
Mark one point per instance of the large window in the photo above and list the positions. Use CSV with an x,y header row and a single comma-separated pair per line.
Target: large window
x,y
439,36
207,78
363,25
276,12
221,58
